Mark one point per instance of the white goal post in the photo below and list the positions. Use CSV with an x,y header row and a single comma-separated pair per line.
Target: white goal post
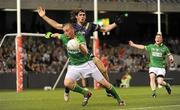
x,y
23,34
35,35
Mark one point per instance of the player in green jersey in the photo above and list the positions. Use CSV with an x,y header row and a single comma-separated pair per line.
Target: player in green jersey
x,y
78,17
157,55
81,65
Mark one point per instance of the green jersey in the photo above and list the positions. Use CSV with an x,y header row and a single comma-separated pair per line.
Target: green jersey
x,y
75,56
157,55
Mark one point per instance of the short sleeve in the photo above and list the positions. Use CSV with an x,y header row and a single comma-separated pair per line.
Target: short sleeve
x,y
148,47
81,39
60,36
167,51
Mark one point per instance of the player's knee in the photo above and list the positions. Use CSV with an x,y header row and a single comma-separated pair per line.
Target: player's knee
x,y
68,83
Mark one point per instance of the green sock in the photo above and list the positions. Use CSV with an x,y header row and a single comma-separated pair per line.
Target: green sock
x,y
153,91
107,91
79,89
166,85
113,93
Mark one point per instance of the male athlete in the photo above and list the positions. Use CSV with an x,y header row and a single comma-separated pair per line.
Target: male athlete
x,y
78,18
81,65
157,55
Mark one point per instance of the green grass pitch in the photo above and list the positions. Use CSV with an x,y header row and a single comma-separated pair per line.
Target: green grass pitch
x,y
137,98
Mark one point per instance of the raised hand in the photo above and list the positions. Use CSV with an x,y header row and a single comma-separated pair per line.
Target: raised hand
x,y
41,11
119,19
131,43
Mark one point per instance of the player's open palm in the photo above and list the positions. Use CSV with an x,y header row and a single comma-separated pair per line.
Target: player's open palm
x,y
131,43
41,11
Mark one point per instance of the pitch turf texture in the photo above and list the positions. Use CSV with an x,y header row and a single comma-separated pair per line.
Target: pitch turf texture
x,y
137,98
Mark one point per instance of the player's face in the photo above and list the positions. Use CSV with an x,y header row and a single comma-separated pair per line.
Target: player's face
x,y
69,32
81,17
158,39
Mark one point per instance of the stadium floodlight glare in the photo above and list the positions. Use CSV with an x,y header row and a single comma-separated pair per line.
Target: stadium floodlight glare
x,y
126,14
157,12
35,10
9,9
102,12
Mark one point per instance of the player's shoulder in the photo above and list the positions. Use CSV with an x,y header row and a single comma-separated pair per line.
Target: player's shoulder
x,y
149,45
79,34
91,24
165,47
62,36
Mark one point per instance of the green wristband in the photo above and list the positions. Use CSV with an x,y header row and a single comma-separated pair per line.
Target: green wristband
x,y
48,35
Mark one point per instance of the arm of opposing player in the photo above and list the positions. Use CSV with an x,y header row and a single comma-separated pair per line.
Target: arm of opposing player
x,y
118,20
108,27
139,46
53,23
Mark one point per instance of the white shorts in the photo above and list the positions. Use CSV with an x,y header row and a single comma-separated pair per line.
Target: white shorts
x,y
88,69
157,71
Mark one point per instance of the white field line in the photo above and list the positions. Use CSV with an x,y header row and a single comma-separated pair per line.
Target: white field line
x,y
151,107
27,99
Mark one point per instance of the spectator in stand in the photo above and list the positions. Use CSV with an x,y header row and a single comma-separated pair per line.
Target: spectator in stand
x,y
125,80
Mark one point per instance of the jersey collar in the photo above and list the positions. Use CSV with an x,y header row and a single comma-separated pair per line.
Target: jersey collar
x,y
159,45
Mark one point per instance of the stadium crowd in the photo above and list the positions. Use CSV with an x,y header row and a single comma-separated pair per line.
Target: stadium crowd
x,y
40,55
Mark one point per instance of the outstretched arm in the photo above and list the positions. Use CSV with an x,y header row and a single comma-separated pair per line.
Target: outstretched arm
x,y
139,46
108,27
53,23
51,35
118,20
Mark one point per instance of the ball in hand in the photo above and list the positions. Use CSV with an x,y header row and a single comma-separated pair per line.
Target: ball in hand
x,y
73,44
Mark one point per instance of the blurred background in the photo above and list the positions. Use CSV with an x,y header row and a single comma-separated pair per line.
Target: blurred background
x,y
44,59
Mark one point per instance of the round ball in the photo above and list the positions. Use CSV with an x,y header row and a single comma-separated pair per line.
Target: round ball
x,y
73,45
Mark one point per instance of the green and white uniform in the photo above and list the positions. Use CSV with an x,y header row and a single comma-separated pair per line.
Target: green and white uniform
x,y
80,65
157,56
75,56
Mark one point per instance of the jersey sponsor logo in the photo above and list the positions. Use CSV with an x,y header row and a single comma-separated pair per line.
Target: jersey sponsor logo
x,y
155,49
73,51
156,54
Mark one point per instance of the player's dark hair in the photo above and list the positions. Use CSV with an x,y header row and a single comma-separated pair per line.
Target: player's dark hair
x,y
75,12
159,34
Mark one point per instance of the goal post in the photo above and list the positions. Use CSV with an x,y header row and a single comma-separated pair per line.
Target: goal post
x,y
19,47
19,65
22,34
159,16
60,75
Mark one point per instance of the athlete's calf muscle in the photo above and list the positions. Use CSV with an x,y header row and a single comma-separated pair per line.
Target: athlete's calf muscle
x,y
101,67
